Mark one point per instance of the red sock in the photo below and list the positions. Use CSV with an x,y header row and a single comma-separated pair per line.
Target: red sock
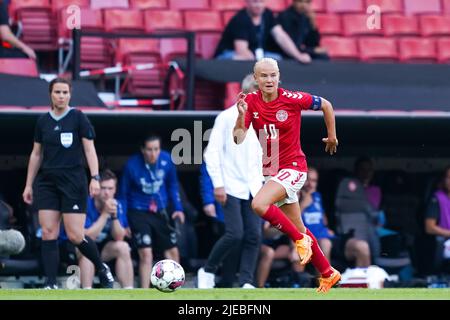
x,y
278,219
318,259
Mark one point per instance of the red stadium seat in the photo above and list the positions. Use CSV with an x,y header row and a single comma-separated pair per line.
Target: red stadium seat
x,y
196,20
108,4
341,48
58,5
149,4
435,25
417,49
446,6
397,25
124,20
163,20
422,7
277,5
20,67
318,5
356,25
207,44
345,6
232,89
387,6
174,48
377,49
443,50
191,4
329,24
225,5
91,20
227,15
136,46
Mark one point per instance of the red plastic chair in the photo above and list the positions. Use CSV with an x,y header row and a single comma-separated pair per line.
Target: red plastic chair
x,y
60,4
226,16
149,4
163,20
277,5
345,6
136,46
91,20
202,20
356,25
397,25
225,5
446,7
191,4
387,6
329,24
417,50
124,20
341,48
108,4
422,7
19,66
434,25
377,49
318,5
443,50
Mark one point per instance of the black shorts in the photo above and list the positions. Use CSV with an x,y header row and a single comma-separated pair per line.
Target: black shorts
x,y
151,230
64,190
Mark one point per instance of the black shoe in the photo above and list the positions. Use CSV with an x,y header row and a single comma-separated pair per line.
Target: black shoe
x,y
106,277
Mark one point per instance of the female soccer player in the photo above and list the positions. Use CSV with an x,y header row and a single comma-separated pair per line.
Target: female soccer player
x,y
61,136
275,115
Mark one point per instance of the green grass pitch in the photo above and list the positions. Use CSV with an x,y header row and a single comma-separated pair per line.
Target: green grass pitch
x,y
227,294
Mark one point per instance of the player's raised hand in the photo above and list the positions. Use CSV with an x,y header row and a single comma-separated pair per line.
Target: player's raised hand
x,y
330,145
241,104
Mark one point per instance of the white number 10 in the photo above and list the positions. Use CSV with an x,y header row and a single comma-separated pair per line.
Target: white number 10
x,y
273,131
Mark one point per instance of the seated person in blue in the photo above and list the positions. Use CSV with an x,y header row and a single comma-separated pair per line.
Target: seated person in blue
x,y
313,214
106,223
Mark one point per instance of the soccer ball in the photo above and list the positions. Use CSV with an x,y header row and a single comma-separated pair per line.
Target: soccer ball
x,y
167,275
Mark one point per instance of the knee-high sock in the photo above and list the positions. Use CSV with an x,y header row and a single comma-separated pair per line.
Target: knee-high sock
x,y
50,260
318,259
89,249
278,219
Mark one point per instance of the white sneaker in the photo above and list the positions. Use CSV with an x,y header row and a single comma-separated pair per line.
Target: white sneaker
x,y
205,280
248,286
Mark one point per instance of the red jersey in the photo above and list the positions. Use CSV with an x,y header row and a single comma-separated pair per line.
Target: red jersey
x,y
277,125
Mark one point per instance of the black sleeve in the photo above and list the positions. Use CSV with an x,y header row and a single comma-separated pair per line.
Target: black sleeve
x,y
86,128
433,211
312,39
38,131
4,19
238,28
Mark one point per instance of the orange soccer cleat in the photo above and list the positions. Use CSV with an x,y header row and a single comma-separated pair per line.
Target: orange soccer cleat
x,y
304,249
325,284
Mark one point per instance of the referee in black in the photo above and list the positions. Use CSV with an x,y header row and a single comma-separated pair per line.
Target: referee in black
x,y
56,162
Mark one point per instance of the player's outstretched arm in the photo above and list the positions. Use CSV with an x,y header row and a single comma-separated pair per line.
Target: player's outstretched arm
x,y
331,141
239,130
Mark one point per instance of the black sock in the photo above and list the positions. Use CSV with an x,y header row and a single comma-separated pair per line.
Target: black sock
x,y
88,248
50,260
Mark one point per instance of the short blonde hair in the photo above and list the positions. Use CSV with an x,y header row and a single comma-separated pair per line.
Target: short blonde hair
x,y
249,84
270,61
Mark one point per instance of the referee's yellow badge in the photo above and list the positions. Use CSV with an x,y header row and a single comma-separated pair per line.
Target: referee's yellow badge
x,y
66,139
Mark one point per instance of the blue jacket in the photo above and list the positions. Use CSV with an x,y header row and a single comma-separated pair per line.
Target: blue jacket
x,y
207,192
148,187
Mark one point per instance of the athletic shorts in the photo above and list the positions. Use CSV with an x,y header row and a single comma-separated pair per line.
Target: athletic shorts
x,y
64,190
292,181
151,230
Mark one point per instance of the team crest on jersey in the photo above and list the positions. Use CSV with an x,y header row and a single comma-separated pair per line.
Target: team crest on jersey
x,y
281,115
66,139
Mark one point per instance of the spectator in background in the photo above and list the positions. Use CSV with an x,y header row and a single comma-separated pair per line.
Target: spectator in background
x,y
106,223
299,22
313,214
236,174
148,182
253,33
364,171
437,216
19,49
